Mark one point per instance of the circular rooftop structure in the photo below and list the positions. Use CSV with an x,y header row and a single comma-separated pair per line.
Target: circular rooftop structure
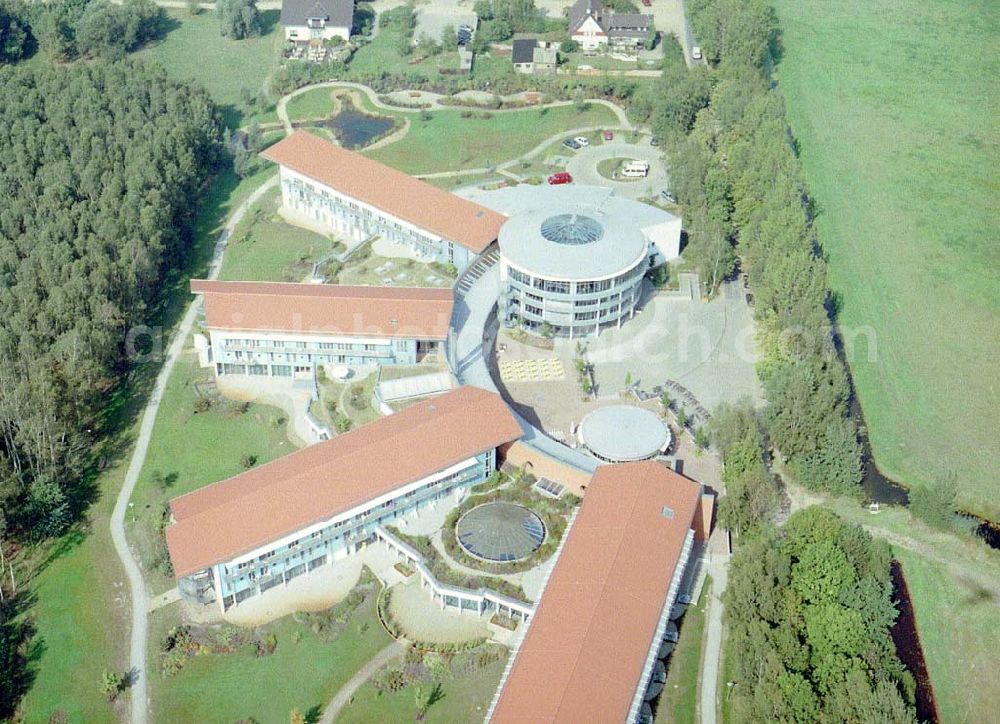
x,y
622,433
500,532
572,242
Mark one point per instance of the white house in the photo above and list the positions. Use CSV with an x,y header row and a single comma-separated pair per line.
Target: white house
x,y
594,26
305,20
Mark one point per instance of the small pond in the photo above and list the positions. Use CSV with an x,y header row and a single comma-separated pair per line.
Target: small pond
x,y
355,129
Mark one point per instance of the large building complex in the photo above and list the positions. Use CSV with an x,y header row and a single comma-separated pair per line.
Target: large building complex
x,y
240,537
571,269
343,192
590,651
284,330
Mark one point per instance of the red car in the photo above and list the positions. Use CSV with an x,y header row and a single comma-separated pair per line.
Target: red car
x,y
560,178
647,3
609,136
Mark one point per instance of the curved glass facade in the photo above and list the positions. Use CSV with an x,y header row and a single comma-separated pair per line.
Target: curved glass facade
x,y
569,308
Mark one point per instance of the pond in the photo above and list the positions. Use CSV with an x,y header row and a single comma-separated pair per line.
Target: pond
x,y
355,129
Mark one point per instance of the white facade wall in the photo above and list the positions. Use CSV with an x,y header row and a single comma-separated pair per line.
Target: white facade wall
x,y
664,241
303,33
346,216
590,35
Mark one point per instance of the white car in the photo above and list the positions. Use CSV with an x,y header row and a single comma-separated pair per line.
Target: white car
x,y
696,52
582,141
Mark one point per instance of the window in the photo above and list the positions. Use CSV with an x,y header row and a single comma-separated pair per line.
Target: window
x,y
557,287
592,287
584,316
537,311
265,556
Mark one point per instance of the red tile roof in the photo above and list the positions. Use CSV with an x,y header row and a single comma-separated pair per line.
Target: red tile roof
x,y
232,517
394,312
583,654
394,192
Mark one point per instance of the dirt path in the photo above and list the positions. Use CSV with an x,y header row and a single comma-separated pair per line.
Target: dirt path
x,y
346,692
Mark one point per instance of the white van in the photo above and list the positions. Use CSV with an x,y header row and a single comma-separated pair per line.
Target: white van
x,y
635,169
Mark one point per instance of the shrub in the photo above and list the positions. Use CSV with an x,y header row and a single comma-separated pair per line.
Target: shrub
x,y
266,644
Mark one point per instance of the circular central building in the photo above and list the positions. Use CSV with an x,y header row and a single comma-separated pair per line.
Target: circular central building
x,y
570,271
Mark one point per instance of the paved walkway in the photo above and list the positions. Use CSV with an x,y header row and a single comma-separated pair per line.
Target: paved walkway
x,y
711,660
137,587
346,693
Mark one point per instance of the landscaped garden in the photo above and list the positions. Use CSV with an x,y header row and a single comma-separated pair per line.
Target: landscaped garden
x,y
448,140
501,487
229,673
265,247
431,687
900,157
199,438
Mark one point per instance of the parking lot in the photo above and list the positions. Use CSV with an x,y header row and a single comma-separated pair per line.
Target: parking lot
x,y
433,19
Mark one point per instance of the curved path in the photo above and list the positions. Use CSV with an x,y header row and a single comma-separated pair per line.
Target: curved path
x,y
394,650
137,587
432,99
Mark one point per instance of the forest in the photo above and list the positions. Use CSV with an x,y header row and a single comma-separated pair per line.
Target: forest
x,y
101,169
808,611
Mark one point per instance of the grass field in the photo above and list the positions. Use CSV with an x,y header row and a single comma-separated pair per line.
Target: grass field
x,y
463,699
241,686
265,248
894,104
444,141
960,634
193,50
190,450
679,702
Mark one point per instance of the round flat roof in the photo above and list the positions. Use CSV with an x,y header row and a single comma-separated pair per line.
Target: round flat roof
x,y
621,433
571,242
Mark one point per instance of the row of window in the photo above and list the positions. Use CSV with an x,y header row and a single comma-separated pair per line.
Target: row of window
x,y
556,287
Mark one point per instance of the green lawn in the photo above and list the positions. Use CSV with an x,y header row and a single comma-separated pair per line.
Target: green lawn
x,y
81,610
679,702
189,450
265,248
238,686
315,103
463,699
194,50
895,106
959,631
444,141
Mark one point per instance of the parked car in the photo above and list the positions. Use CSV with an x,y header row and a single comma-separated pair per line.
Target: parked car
x,y
696,52
609,136
654,141
581,141
560,177
571,143
647,3
465,27
668,195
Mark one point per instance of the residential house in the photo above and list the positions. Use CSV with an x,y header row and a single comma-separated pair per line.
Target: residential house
x,y
305,20
534,57
594,26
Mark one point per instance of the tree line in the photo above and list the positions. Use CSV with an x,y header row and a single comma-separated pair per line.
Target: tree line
x,y
808,610
101,169
69,29
747,208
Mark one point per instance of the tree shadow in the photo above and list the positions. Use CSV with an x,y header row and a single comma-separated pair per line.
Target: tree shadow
x,y
268,19
21,650
313,714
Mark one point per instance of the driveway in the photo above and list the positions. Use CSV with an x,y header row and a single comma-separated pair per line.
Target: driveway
x,y
583,167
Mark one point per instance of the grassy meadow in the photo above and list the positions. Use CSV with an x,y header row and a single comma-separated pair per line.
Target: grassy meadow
x,y
894,105
265,248
193,50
